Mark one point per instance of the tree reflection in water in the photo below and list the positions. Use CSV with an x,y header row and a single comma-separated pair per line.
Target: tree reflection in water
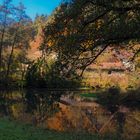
x,y
40,103
44,103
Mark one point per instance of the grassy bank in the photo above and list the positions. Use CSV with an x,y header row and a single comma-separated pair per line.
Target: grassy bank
x,y
12,130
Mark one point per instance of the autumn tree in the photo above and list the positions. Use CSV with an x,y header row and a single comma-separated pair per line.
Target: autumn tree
x,y
39,23
16,34
17,29
5,13
81,30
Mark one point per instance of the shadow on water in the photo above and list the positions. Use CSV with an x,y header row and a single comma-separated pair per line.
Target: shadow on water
x,y
33,100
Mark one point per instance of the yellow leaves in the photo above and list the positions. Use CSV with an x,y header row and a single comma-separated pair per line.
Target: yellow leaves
x,y
50,43
99,23
87,44
65,33
17,110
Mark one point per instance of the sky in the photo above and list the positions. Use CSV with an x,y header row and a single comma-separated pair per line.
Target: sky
x,y
38,6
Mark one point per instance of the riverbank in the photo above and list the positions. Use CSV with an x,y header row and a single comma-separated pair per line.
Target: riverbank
x,y
13,130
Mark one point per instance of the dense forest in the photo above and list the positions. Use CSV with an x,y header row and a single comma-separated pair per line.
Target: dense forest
x,y
83,44
72,37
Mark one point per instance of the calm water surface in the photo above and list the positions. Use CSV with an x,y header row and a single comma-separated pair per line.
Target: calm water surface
x,y
43,108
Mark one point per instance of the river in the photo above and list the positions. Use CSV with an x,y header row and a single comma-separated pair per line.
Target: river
x,y
49,109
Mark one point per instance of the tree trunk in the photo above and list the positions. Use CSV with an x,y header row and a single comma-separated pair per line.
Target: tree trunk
x,y
1,45
10,59
2,36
